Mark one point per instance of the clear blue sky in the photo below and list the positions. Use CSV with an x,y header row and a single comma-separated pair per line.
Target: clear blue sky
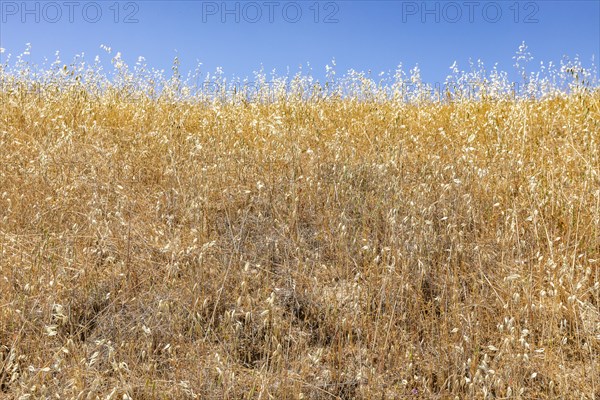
x,y
239,36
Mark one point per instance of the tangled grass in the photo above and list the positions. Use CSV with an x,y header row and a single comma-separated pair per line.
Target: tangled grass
x,y
330,247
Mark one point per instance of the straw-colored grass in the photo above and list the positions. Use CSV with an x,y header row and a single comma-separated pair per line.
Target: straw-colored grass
x,y
299,249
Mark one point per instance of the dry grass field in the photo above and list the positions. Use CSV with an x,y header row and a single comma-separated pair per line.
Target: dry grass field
x,y
324,247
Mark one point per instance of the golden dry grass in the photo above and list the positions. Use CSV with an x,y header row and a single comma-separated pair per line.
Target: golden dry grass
x,y
299,249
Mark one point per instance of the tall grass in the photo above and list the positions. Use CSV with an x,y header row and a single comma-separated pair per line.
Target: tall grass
x,y
357,238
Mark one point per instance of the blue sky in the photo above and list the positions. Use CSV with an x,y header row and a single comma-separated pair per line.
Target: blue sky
x,y
240,36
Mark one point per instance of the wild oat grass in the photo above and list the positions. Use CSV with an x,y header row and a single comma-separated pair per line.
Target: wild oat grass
x,y
313,246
